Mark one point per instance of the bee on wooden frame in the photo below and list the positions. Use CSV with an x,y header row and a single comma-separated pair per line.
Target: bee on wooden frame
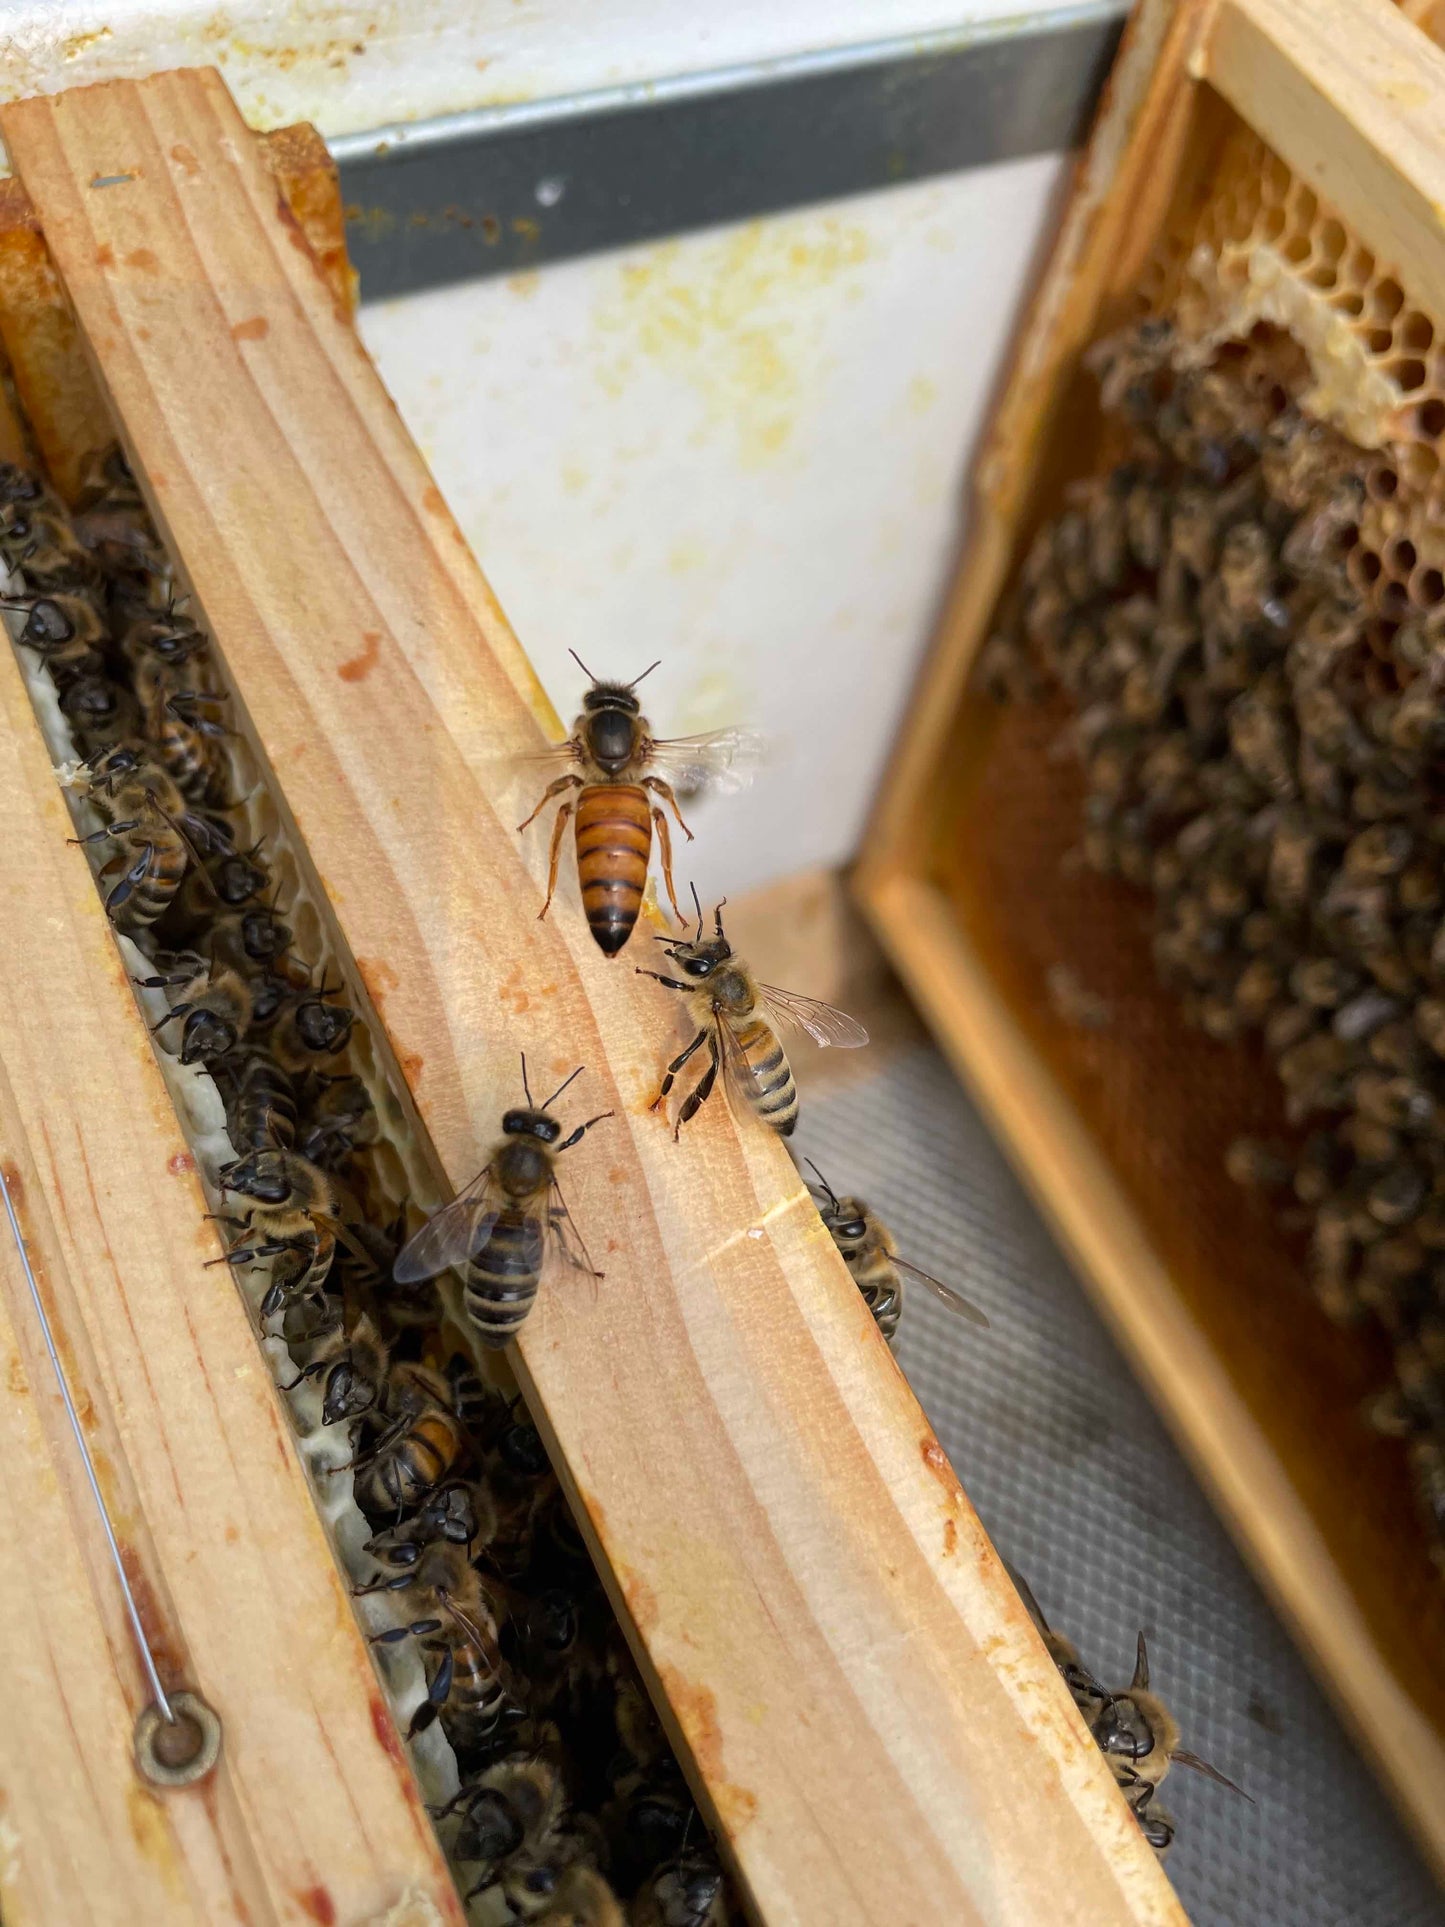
x,y
497,1231
621,771
870,1254
735,1017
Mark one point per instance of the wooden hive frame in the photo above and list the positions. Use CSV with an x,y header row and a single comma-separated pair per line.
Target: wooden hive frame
x,y
858,1696
1349,98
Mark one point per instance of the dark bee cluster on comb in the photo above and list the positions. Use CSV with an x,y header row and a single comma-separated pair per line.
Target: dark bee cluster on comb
x,y
569,1803
1260,738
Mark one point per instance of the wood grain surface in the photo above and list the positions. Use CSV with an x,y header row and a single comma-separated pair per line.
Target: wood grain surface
x,y
857,1690
313,1814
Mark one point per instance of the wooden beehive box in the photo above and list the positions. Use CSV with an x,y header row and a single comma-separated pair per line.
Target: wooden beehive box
x,y
857,1696
1256,161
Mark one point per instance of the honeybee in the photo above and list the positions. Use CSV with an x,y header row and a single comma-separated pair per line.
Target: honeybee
x,y
420,1447
260,1104
468,1682
310,1028
1085,1691
340,1121
213,1010
251,939
191,743
67,632
688,1891
158,835
1139,1736
514,1807
38,539
100,711
293,1216
462,1514
734,1015
618,778
871,1255
497,1230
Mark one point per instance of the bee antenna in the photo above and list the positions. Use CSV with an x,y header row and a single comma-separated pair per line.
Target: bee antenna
x,y
698,907
717,915
562,1087
526,1087
581,665
1141,1668
832,1198
646,673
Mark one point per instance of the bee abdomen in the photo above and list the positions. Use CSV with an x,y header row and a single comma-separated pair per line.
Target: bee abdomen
x,y
614,842
501,1280
150,894
882,1291
771,1090
262,1114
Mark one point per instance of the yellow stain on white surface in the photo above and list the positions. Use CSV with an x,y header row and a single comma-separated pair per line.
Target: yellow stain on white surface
x,y
733,320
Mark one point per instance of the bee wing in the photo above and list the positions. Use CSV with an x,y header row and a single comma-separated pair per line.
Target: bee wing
x,y
955,1300
567,1238
552,760
722,759
453,1235
822,1022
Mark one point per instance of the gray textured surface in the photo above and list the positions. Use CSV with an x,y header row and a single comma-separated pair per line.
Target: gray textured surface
x,y
1084,1493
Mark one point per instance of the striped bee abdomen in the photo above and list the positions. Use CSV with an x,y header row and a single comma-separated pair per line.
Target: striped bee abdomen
x,y
770,1087
500,1283
614,842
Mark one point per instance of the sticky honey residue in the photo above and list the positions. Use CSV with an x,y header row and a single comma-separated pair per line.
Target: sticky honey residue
x,y
729,317
254,328
152,1835
696,1710
357,668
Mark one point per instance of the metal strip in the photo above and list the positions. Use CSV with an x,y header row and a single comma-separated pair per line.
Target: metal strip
x,y
503,189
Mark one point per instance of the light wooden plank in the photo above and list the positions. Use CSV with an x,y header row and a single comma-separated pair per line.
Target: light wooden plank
x,y
1348,93
804,1579
313,1814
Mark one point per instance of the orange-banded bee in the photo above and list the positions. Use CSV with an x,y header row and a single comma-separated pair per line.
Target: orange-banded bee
x,y
870,1254
734,1015
309,1028
190,739
616,760
420,1447
497,1230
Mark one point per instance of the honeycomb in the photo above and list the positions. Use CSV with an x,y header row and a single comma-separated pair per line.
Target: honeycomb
x,y
1267,259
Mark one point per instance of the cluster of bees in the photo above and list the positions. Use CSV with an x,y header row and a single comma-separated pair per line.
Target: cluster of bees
x,y
570,1805
1261,753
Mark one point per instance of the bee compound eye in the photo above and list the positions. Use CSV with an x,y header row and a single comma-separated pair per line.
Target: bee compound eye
x,y
179,1751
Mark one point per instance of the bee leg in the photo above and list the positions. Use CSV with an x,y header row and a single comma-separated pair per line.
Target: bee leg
x,y
99,836
664,845
555,856
134,875
702,1090
568,782
664,790
671,982
673,1068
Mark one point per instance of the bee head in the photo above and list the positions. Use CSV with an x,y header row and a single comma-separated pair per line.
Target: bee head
x,y
206,1033
322,1027
527,1123
349,1393
263,935
700,960
846,1218
262,1176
